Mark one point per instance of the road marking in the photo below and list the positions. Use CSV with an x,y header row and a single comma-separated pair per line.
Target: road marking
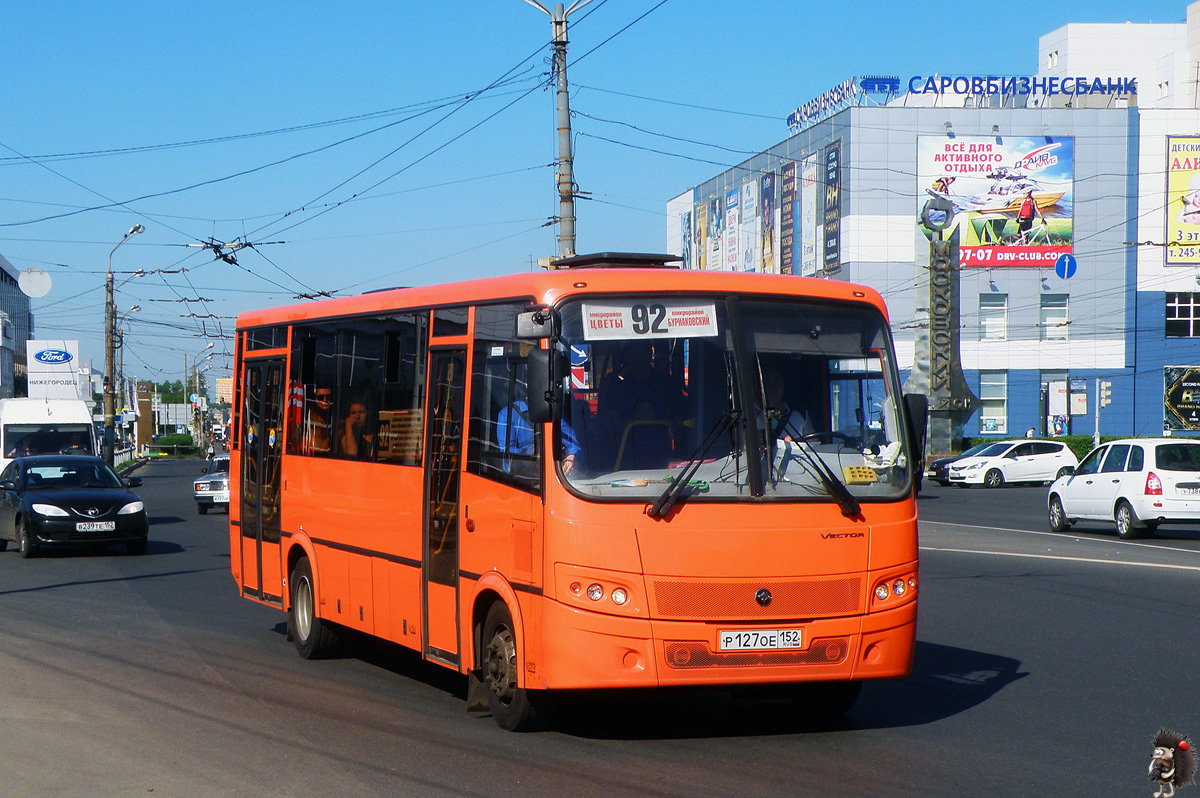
x,y
1067,536
1060,557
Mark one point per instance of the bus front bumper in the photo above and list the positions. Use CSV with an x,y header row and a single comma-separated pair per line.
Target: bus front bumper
x,y
593,650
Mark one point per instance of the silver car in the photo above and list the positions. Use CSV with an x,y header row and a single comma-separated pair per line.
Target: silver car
x,y
212,489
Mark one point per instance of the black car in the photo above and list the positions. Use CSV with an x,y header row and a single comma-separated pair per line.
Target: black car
x,y
939,470
69,500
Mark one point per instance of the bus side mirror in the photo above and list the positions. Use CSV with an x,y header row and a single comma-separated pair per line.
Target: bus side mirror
x,y
534,325
916,410
546,368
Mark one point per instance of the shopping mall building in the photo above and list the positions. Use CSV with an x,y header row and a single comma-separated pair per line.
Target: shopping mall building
x,y
1101,145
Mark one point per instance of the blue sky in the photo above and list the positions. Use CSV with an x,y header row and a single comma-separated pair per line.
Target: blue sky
x,y
336,138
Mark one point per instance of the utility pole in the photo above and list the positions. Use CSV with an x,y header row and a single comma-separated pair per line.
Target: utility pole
x,y
564,174
110,322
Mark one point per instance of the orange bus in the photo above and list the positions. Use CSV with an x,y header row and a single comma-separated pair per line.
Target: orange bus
x,y
612,474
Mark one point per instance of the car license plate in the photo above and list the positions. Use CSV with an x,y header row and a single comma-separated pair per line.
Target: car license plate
x,y
221,498
95,526
754,639
1182,491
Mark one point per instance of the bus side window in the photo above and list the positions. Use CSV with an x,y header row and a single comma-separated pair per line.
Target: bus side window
x,y
502,444
402,400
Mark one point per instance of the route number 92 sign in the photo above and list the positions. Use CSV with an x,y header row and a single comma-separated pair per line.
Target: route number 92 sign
x,y
648,318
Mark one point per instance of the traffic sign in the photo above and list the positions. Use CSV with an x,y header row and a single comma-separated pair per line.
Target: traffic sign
x,y
1065,265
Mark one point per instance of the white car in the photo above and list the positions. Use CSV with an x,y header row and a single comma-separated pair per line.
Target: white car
x,y
1014,461
1139,483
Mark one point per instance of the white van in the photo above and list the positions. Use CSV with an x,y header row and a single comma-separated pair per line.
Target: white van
x,y
45,426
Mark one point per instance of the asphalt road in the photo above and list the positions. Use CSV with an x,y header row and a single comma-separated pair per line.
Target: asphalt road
x,y
1044,665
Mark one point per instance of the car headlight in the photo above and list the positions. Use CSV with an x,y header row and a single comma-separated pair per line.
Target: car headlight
x,y
48,509
201,487
131,508
975,467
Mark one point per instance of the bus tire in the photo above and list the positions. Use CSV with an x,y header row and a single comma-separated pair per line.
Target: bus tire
x,y
313,637
513,708
825,699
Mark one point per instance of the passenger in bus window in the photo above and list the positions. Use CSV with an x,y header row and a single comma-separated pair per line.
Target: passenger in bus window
x,y
355,442
784,422
317,426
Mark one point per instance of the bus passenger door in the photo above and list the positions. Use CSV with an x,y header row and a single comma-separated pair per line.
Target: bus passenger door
x,y
262,455
444,448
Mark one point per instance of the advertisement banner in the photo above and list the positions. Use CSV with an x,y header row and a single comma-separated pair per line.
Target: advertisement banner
x,y
716,231
700,246
1183,201
832,259
1181,398
732,254
767,250
748,235
809,229
685,239
1012,195
53,369
787,219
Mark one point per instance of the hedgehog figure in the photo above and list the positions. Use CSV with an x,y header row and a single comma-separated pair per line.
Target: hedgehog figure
x,y
1173,763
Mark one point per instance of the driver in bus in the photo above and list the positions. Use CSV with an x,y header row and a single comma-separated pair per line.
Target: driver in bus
x,y
784,422
514,434
23,448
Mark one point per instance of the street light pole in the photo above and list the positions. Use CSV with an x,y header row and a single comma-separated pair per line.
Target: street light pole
x,y
110,314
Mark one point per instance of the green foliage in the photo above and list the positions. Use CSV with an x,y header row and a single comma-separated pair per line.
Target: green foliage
x,y
172,392
178,439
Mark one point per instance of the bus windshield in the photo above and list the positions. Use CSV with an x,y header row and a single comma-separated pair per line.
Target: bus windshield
x,y
808,390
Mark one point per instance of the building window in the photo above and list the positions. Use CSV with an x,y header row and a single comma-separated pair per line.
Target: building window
x,y
1164,90
1054,317
1183,314
993,317
1052,59
993,401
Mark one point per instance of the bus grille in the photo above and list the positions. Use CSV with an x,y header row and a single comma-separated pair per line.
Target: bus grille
x,y
722,601
826,651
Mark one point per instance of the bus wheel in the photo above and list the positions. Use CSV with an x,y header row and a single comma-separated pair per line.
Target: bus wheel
x,y
512,707
825,699
314,638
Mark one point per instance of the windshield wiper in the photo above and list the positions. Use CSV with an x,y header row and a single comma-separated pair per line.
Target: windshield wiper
x,y
835,487
675,490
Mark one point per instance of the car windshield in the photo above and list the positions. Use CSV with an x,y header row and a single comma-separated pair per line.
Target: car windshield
x,y
28,439
660,383
976,449
219,466
1177,456
70,477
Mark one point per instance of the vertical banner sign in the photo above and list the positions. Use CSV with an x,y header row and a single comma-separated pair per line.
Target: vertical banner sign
x,y
809,227
732,254
1013,196
768,264
1183,201
716,231
748,237
787,219
685,239
1181,398
833,203
701,245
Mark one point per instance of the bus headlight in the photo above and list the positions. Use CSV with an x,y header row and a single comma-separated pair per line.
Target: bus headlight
x,y
619,596
595,592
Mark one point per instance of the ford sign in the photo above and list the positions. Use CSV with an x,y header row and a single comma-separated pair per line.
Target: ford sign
x,y
52,356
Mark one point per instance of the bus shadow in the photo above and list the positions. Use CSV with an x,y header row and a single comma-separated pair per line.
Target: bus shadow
x,y
945,682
